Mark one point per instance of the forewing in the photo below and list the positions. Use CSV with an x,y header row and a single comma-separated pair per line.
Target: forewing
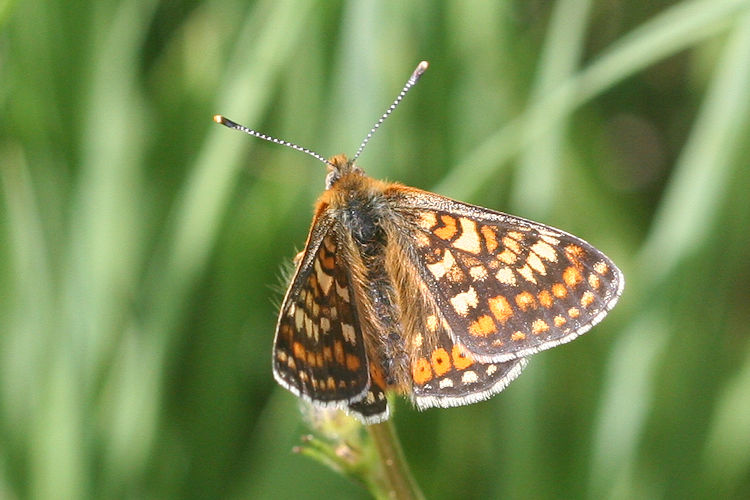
x,y
319,353
507,287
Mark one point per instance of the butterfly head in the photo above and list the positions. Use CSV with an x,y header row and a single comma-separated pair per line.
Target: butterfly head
x,y
339,166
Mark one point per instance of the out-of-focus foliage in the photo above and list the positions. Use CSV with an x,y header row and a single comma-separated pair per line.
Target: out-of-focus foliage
x,y
140,243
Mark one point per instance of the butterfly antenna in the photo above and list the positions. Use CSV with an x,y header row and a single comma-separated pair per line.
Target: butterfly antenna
x,y
229,123
413,79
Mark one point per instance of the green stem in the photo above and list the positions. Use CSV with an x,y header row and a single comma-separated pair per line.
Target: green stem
x,y
399,483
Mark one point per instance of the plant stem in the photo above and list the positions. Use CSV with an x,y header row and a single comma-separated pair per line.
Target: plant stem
x,y
399,483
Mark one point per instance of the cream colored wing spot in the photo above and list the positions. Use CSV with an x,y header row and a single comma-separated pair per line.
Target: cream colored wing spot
x,y
601,267
464,301
478,273
469,240
539,326
506,276
527,273
544,250
325,280
440,268
594,281
469,377
427,220
348,332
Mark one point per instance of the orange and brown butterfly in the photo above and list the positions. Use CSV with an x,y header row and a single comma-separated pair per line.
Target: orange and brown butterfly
x,y
404,290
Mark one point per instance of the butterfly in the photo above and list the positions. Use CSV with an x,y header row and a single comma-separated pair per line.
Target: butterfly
x,y
399,289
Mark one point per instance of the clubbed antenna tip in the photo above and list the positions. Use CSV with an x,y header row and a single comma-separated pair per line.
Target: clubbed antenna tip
x,y
413,79
223,120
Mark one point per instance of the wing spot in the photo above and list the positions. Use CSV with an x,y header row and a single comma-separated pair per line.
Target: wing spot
x,y
544,250
377,376
469,377
482,327
325,324
507,257
506,276
546,299
559,291
456,275
440,268
575,253
432,323
422,240
311,358
572,276
469,239
574,312
311,332
511,244
342,292
338,352
500,308
527,273
536,264
491,369
299,351
601,267
461,302
299,317
446,383
427,220
479,273
516,336
352,362
587,298
490,238
461,358
448,230
525,301
421,371
417,340
348,331
539,326
441,361
594,281
560,321
550,239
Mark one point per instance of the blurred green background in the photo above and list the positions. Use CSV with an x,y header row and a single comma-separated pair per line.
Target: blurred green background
x,y
141,243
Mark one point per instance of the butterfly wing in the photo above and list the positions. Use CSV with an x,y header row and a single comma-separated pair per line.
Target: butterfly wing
x,y
445,374
507,287
319,352
373,407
